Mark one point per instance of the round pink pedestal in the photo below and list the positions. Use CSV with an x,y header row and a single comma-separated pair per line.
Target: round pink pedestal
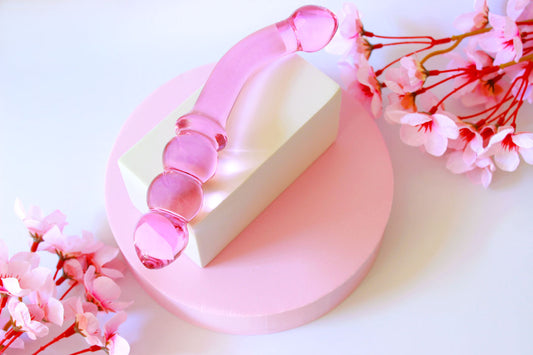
x,y
298,259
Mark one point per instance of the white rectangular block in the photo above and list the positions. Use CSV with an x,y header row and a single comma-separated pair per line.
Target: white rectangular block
x,y
284,119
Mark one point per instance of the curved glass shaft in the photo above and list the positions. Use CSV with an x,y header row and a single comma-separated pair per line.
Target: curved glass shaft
x,y
175,196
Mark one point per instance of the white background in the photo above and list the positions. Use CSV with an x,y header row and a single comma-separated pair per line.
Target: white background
x,y
453,275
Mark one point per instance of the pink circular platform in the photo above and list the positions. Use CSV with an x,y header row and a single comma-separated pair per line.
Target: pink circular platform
x,y
299,259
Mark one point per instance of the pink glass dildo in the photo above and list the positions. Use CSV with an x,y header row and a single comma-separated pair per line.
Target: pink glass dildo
x,y
175,196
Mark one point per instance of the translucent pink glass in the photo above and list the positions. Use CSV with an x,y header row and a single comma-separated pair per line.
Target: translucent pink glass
x,y
190,159
159,239
192,153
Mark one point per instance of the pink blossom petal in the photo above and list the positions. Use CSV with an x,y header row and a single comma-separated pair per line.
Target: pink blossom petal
x,y
480,176
375,106
22,258
523,140
446,125
12,286
500,135
88,326
527,154
503,57
456,164
393,115
112,273
469,155
111,327
55,311
350,23
435,144
35,279
107,288
516,7
340,45
118,346
507,160
415,119
412,136
105,254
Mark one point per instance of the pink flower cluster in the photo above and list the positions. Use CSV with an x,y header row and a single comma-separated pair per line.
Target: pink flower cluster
x,y
490,72
34,298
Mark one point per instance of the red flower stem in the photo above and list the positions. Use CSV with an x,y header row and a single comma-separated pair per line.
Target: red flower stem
x,y
89,349
3,303
397,43
13,338
370,34
522,92
59,266
8,325
482,112
380,71
61,279
438,72
525,22
68,332
35,245
68,290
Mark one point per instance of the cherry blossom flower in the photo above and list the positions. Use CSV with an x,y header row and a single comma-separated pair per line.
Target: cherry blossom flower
x,y
470,145
345,42
103,292
520,9
44,298
481,172
503,40
20,275
74,270
506,145
429,130
407,78
102,261
484,89
75,304
474,20
363,85
22,320
69,246
36,223
87,325
114,343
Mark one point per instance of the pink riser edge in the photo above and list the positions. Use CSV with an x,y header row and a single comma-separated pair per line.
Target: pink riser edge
x,y
299,259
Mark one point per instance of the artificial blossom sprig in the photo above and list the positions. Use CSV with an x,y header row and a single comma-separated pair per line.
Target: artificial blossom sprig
x,y
34,298
489,71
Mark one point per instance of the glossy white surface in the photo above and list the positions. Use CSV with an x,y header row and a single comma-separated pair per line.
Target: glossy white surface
x,y
454,271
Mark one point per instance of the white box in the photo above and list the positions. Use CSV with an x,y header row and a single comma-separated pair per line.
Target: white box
x,y
285,117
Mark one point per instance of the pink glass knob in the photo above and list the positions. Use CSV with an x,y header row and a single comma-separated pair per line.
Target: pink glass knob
x,y
177,193
313,26
159,239
201,124
192,153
